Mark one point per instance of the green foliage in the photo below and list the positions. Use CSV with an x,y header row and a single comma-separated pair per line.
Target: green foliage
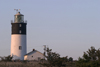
x,y
53,59
91,58
70,59
8,58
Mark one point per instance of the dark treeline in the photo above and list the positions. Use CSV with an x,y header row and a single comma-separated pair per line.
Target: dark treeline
x,y
90,58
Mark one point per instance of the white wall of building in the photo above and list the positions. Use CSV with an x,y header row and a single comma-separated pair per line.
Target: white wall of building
x,y
16,41
34,56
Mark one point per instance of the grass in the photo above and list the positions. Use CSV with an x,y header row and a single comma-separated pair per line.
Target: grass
x,y
19,64
29,64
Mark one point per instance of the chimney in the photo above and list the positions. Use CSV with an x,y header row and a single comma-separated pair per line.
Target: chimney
x,y
33,49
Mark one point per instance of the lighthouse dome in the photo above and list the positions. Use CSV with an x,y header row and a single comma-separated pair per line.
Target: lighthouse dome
x,y
19,14
19,18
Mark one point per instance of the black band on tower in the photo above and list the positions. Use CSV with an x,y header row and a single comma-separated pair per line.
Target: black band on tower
x,y
19,28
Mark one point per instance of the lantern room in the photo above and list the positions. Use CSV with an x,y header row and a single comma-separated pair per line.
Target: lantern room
x,y
19,18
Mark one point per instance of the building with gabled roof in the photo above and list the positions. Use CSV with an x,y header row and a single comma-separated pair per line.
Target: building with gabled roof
x,y
34,55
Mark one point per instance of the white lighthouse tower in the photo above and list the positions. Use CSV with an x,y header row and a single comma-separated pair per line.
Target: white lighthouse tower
x,y
18,37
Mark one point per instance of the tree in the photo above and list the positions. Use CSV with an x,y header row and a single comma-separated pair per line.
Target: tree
x,y
70,59
90,58
53,59
8,58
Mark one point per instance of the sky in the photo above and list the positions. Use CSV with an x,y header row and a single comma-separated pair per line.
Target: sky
x,y
68,27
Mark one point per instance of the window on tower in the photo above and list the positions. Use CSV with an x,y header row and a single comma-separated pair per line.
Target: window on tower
x,y
20,25
20,47
20,31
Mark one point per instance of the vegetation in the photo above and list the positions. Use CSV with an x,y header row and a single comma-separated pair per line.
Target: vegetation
x,y
91,58
8,58
54,59
70,59
20,64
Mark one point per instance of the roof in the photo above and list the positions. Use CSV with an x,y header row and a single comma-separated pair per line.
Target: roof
x,y
33,51
19,14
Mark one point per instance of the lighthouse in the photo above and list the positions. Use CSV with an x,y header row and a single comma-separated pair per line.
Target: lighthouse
x,y
18,37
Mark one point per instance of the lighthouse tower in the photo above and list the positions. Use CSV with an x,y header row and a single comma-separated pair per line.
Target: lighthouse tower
x,y
18,37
